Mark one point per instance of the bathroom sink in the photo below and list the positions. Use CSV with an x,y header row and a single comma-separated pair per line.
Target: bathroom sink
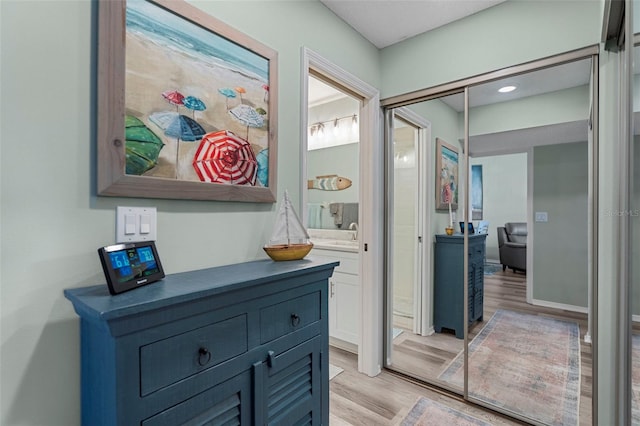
x,y
345,243
330,244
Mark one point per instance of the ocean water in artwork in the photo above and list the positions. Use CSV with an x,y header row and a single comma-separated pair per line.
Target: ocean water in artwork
x,y
174,32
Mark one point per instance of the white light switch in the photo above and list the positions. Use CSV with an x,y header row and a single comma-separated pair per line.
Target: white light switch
x,y
129,224
145,225
135,224
542,217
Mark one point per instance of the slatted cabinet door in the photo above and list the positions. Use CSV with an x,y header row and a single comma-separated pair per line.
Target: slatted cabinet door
x,y
288,386
228,403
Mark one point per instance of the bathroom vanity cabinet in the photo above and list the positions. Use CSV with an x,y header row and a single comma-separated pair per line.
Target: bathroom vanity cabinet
x,y
344,297
240,344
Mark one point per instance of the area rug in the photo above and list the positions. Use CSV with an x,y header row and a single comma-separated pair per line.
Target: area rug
x,y
396,332
526,364
428,412
334,370
492,268
635,379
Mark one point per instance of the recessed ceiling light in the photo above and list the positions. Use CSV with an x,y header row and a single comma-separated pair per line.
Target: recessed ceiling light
x,y
507,89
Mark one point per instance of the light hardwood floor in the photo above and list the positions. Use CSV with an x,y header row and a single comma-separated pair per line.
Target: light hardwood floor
x,y
386,399
358,400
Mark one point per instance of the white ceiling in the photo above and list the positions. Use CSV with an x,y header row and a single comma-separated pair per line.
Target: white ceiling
x,y
386,22
371,18
321,93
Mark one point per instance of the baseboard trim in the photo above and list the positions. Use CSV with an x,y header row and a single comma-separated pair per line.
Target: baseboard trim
x,y
565,307
429,331
341,344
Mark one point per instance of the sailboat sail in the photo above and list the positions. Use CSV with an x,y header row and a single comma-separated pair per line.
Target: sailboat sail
x,y
288,228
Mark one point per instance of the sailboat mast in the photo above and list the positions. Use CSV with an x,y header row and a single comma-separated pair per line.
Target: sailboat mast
x,y
286,215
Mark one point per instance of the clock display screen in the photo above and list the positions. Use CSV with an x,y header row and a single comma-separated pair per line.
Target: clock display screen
x,y
133,263
130,265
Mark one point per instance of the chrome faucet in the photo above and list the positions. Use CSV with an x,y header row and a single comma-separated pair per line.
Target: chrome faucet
x,y
354,225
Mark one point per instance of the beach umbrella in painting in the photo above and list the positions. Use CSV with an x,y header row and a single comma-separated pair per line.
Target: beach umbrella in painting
x,y
248,116
227,93
194,104
241,91
224,157
142,146
173,97
185,128
163,119
266,92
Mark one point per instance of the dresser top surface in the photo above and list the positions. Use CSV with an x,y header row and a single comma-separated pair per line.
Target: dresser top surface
x,y
459,237
97,302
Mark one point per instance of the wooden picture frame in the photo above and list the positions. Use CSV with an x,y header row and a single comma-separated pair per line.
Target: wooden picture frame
x,y
447,177
153,57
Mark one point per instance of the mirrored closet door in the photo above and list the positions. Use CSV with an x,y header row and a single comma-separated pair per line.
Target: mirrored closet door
x,y
417,209
518,288
529,139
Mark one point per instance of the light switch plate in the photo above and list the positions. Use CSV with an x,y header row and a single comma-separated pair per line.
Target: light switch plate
x,y
542,217
141,219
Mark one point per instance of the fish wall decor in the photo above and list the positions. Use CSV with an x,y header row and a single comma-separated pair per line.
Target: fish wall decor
x,y
329,183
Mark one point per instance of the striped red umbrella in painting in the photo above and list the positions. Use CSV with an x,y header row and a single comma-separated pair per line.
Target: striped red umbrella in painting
x,y
224,157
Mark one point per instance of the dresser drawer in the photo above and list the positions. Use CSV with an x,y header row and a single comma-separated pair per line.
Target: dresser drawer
x,y
289,316
167,361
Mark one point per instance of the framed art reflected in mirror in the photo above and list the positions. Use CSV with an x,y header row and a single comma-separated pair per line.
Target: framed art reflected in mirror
x,y
446,175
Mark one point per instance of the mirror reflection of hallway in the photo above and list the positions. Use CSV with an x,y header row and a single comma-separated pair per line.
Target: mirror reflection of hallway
x,y
412,346
529,353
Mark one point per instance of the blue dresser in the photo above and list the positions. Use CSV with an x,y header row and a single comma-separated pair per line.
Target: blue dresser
x,y
448,309
243,344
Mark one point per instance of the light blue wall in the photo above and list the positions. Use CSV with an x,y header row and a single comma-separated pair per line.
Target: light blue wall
x,y
510,33
339,160
445,125
561,106
560,176
504,193
51,222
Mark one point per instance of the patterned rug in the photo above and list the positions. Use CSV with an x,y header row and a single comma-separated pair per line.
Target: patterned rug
x,y
492,268
526,364
428,412
334,370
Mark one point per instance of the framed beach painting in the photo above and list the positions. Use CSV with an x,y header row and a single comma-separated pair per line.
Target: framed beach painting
x,y
187,105
446,176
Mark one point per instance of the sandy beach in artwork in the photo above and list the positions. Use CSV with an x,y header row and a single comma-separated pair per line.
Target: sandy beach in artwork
x,y
153,69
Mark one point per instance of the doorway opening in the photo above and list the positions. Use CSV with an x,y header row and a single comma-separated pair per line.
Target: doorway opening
x,y
361,283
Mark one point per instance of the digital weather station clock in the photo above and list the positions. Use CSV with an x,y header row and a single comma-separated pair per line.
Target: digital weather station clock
x,y
130,265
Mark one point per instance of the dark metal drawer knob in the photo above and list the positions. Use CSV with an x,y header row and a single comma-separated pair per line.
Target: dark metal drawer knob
x,y
295,320
204,356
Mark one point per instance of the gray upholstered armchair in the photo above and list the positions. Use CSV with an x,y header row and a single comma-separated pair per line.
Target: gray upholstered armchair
x,y
512,244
